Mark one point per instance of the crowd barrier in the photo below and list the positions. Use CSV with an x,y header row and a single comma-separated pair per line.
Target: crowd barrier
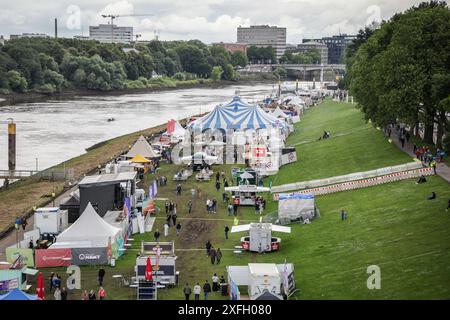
x,y
347,177
364,183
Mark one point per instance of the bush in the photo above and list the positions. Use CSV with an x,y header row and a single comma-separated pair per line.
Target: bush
x,y
45,88
4,91
180,76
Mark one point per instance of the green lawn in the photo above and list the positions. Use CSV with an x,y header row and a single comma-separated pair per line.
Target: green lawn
x,y
392,226
354,145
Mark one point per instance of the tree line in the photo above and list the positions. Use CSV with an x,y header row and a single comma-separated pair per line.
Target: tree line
x,y
50,65
400,71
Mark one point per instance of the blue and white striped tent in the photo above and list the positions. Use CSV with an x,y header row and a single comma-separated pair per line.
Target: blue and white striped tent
x,y
237,115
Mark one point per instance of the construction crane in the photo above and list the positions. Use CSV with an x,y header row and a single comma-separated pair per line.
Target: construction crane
x,y
115,16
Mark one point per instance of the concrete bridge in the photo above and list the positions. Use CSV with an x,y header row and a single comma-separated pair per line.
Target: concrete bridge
x,y
301,71
310,67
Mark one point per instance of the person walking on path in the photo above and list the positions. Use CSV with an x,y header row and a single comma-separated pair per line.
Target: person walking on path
x,y
197,291
208,247
101,294
190,206
215,283
166,229
206,289
63,294
85,295
218,185
178,228
157,235
218,255
57,294
101,275
92,295
167,207
433,165
187,291
343,215
226,231
51,281
230,209
174,219
212,255
179,189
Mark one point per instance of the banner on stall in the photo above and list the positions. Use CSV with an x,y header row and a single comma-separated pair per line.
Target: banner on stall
x,y
13,253
89,256
46,258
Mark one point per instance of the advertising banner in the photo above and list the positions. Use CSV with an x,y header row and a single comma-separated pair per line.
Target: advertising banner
x,y
8,285
53,258
89,256
27,255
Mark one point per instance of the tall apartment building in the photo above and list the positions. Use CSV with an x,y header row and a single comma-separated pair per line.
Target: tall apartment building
x,y
321,47
263,36
108,33
336,46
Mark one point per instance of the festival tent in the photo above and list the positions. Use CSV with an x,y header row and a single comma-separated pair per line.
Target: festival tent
x,y
143,148
237,115
139,159
278,113
175,129
90,230
18,294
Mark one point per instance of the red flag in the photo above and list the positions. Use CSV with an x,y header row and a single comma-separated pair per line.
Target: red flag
x,y
40,287
170,126
148,270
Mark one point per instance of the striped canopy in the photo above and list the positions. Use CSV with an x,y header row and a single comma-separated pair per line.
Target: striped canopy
x,y
237,115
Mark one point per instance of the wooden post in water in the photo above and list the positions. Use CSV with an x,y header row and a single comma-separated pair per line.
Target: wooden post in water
x,y
11,146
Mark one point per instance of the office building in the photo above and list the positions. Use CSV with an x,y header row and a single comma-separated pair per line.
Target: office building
x,y
111,33
313,45
336,46
263,36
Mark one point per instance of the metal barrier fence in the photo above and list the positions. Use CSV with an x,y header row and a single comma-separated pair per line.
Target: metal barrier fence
x,y
351,185
346,178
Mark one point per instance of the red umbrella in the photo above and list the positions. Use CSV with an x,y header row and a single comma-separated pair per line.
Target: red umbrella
x,y
148,270
40,286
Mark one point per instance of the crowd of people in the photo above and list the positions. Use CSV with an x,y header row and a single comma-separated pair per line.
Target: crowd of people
x,y
218,285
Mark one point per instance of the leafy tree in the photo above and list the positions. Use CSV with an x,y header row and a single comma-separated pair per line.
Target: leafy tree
x,y
16,81
239,58
216,73
401,72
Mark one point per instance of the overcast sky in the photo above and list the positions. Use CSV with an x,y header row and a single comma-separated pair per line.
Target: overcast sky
x,y
206,20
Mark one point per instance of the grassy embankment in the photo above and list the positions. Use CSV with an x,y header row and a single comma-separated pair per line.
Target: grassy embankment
x,y
392,226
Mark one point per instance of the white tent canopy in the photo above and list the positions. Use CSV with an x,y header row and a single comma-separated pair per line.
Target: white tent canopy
x,y
279,113
142,147
88,228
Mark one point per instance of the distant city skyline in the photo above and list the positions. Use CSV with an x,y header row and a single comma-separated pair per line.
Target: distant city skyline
x,y
207,20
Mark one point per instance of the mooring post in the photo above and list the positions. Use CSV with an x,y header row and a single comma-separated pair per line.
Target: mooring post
x,y
11,145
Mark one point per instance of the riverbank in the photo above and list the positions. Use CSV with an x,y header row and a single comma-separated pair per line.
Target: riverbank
x,y
31,97
22,196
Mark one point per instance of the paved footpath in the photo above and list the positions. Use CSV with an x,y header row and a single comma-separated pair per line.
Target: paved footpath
x,y
10,239
442,169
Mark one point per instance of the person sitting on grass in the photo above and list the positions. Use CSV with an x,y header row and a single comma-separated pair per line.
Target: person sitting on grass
x,y
433,196
422,179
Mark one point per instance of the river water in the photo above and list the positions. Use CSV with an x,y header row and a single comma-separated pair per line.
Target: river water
x,y
58,130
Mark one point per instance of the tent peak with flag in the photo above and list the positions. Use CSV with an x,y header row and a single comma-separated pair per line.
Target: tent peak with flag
x,y
143,148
